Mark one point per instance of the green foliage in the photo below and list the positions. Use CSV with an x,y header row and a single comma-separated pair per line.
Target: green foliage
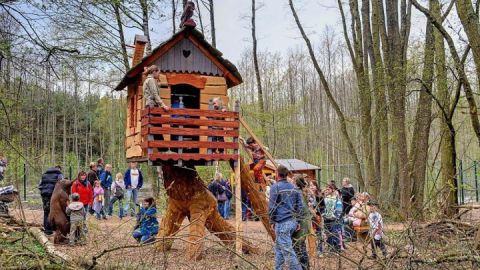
x,y
22,250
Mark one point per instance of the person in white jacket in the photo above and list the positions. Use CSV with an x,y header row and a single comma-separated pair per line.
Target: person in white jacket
x,y
118,193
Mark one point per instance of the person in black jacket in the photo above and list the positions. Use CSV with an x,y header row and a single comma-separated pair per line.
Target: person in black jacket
x,y
347,191
46,186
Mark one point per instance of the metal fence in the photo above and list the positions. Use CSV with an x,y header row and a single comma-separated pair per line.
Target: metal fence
x,y
468,178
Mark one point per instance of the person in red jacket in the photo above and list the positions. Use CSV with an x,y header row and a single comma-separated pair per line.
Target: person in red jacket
x,y
84,189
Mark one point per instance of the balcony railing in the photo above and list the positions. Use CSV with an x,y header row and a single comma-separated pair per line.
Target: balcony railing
x,y
190,134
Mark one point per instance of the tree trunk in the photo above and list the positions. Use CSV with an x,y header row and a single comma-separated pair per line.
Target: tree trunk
x,y
381,108
257,73
423,119
333,102
174,14
212,23
146,30
123,47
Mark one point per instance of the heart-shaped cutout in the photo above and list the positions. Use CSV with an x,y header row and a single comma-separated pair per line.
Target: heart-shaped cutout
x,y
186,53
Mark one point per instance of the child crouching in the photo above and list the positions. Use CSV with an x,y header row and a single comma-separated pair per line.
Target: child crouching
x,y
147,223
77,213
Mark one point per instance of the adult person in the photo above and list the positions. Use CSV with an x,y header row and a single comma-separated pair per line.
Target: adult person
x,y
133,180
285,209
46,186
82,186
150,88
228,191
92,173
100,167
219,192
347,191
92,177
300,236
106,181
319,208
152,98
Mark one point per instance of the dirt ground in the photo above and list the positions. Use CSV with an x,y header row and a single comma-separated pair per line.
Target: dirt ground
x,y
116,233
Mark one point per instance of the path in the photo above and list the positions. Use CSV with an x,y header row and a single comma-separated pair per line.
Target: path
x,y
112,233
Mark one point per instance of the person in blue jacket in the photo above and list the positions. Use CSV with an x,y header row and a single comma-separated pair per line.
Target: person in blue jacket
x,y
106,183
285,209
46,186
147,223
133,179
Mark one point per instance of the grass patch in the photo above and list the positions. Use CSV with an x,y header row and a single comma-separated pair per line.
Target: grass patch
x,y
19,249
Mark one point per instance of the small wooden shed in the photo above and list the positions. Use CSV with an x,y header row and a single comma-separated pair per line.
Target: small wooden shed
x,y
192,73
295,166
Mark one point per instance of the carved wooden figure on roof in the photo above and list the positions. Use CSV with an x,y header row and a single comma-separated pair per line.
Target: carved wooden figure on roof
x,y
187,15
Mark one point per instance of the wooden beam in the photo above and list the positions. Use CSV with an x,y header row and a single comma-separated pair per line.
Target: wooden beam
x,y
189,122
238,207
190,112
189,131
194,80
250,131
211,157
189,144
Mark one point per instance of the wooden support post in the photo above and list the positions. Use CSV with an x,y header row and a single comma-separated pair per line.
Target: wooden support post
x,y
238,194
210,139
180,137
149,138
238,206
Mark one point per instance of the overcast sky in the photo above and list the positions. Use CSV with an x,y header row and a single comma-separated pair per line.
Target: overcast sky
x,y
276,29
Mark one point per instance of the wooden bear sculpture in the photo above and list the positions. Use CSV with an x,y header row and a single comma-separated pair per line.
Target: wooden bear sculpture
x,y
189,197
57,217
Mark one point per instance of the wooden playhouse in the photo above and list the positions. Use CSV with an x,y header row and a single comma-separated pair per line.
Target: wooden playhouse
x,y
193,73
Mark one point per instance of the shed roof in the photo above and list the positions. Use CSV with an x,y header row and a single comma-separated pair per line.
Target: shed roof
x,y
294,164
230,72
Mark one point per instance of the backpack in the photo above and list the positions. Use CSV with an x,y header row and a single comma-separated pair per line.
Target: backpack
x,y
119,192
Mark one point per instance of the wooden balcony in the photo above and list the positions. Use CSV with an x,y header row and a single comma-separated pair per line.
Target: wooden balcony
x,y
192,135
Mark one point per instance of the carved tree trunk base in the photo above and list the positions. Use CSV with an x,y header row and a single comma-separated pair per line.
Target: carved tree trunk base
x,y
189,197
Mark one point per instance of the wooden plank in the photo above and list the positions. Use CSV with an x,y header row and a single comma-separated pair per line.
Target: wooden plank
x,y
238,207
215,80
164,156
189,144
135,151
194,80
191,112
189,131
216,90
189,122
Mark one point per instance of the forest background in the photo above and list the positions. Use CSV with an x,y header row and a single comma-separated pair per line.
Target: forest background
x,y
394,111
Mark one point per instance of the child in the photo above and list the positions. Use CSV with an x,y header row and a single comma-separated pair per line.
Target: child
x,y
259,160
77,213
376,229
147,223
218,106
118,191
98,200
331,218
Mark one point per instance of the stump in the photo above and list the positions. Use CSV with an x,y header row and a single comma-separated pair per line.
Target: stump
x,y
189,197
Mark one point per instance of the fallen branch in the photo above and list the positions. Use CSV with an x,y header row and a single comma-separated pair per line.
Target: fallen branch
x,y
49,247
449,259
